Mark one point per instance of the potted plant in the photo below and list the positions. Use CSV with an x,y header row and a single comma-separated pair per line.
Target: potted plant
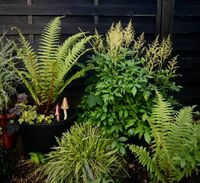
x,y
8,82
45,75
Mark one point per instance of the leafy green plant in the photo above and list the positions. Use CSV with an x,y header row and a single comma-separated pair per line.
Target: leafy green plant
x,y
37,158
175,149
82,156
8,77
29,115
127,73
44,72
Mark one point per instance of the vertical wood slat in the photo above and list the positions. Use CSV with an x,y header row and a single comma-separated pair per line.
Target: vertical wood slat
x,y
159,16
96,18
167,17
30,21
165,12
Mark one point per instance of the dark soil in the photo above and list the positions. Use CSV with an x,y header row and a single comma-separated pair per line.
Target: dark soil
x,y
21,169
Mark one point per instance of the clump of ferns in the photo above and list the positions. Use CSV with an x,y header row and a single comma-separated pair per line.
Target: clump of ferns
x,y
175,150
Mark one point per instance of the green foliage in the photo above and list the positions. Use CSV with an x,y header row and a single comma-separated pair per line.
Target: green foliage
x,y
8,77
37,158
44,73
127,73
28,114
175,149
82,156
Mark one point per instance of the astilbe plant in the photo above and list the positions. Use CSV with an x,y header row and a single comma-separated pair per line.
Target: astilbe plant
x,y
175,150
127,72
44,72
82,156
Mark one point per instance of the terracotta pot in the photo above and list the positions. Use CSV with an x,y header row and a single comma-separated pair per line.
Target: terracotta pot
x,y
6,140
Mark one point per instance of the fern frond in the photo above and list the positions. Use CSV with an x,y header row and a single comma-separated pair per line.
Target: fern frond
x,y
67,45
146,161
185,115
77,75
44,73
76,51
23,75
175,148
162,111
50,40
29,58
48,85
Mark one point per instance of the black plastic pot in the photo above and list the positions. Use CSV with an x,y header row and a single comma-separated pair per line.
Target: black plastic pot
x,y
41,137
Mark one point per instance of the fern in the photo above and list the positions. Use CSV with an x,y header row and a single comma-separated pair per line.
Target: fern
x,y
175,150
44,71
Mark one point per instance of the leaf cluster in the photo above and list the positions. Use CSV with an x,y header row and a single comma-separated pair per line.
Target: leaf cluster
x,y
127,73
175,149
8,77
45,71
29,114
82,156
37,158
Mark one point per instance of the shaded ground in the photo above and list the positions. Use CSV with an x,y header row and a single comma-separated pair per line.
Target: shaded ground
x,y
23,171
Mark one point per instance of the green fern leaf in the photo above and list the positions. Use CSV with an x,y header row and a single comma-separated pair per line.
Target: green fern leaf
x,y
50,40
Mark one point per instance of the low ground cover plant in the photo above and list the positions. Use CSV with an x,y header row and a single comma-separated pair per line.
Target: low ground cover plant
x,y
175,150
82,155
127,72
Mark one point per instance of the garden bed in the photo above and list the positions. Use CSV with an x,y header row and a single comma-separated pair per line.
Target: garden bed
x,y
23,169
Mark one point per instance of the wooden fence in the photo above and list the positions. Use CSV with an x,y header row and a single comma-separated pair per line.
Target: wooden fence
x,y
181,18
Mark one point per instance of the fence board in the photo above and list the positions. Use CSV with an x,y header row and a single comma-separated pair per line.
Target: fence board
x,y
72,28
105,10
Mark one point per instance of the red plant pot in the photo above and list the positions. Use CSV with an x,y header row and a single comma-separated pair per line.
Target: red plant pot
x,y
6,140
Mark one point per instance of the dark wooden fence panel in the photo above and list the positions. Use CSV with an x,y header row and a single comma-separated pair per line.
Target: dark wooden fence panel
x,y
181,18
186,39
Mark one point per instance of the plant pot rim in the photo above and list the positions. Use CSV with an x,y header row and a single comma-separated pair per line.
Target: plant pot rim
x,y
54,122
